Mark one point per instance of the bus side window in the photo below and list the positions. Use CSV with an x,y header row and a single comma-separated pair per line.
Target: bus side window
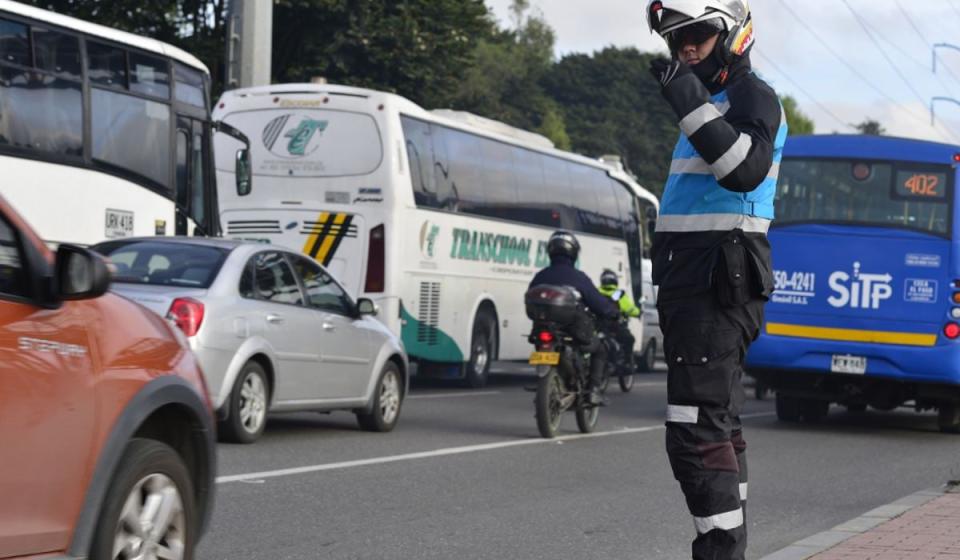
x,y
443,180
534,203
420,158
556,178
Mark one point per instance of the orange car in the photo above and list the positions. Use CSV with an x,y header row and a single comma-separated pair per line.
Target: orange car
x,y
106,429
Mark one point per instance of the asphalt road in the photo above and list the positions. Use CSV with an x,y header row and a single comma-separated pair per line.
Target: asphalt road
x,y
465,476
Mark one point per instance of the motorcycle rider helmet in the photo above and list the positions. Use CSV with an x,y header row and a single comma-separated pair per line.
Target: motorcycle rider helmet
x,y
609,278
563,243
682,21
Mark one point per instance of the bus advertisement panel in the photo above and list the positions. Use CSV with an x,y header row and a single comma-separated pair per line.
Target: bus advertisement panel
x,y
867,278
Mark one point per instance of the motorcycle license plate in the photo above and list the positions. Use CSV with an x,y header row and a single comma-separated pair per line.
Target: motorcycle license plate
x,y
544,358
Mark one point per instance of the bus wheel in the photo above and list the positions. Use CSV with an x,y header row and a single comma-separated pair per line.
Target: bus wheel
x,y
813,410
788,408
483,345
949,419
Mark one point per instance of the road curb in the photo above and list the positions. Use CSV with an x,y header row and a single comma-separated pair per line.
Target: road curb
x,y
815,544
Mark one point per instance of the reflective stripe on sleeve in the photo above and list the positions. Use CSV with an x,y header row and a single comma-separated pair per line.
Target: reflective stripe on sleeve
x,y
723,521
712,222
697,166
743,491
683,414
700,116
736,155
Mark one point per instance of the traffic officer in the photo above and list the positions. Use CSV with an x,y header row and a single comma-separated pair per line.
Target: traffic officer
x,y
609,287
711,256
563,248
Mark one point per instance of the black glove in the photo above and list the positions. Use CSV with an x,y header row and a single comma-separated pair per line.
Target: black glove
x,y
665,71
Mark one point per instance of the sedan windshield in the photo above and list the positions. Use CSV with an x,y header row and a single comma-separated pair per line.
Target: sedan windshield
x,y
163,264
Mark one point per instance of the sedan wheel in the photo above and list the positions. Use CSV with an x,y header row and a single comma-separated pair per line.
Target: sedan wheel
x,y
387,401
248,406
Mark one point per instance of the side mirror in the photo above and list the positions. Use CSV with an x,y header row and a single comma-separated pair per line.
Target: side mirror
x,y
80,273
243,172
244,178
367,307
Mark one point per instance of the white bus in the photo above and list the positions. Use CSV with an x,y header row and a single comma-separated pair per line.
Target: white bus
x,y
103,133
440,217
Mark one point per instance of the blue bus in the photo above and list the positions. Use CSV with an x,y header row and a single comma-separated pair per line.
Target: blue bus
x,y
866,258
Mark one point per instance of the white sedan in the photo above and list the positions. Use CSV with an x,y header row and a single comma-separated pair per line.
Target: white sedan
x,y
273,330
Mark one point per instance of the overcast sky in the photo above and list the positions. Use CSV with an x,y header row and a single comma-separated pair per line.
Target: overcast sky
x,y
834,92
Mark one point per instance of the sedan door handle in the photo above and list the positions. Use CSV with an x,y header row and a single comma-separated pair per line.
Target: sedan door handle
x,y
271,318
328,326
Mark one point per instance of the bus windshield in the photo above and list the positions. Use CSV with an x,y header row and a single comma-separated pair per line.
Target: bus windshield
x,y
867,193
308,143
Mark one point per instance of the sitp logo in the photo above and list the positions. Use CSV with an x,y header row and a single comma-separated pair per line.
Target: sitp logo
x,y
293,135
860,291
428,239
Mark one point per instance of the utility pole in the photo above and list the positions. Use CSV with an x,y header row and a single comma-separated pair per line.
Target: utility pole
x,y
249,43
944,46
934,100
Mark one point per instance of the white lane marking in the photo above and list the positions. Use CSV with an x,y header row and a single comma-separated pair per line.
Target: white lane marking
x,y
444,452
454,395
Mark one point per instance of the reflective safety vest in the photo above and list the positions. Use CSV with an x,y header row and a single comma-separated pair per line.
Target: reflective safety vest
x,y
694,200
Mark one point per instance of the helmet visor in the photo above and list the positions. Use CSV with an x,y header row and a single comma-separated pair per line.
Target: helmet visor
x,y
693,34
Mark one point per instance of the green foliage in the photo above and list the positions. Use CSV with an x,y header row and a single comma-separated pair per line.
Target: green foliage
x,y
612,105
870,127
420,49
505,81
797,122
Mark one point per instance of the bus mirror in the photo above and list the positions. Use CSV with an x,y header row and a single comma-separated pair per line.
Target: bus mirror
x,y
244,179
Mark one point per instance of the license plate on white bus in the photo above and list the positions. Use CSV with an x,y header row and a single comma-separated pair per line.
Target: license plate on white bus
x,y
118,223
845,363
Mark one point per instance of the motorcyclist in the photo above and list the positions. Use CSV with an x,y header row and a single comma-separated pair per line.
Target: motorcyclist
x,y
609,287
711,257
564,250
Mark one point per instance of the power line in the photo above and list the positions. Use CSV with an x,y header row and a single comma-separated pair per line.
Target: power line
x,y
883,53
802,90
850,67
929,45
955,10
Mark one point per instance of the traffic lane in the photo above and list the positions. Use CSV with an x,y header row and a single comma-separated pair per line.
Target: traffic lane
x,y
609,497
435,415
804,479
575,499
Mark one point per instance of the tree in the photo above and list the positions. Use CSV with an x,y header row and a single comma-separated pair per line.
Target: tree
x,y
870,127
797,122
612,105
420,49
505,81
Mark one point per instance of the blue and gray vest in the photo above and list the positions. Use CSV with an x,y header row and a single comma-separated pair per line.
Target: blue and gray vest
x,y
693,199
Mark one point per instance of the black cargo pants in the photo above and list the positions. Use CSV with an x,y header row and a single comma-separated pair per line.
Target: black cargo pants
x,y
705,344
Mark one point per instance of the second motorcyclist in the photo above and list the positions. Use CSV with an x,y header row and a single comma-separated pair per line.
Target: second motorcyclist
x,y
609,287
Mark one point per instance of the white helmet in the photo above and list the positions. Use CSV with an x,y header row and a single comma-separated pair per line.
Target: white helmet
x,y
731,17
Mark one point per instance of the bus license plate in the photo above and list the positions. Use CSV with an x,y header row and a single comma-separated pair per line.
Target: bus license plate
x,y
118,223
545,358
844,363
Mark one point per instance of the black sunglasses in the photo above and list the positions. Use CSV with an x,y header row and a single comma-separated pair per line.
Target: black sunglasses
x,y
693,34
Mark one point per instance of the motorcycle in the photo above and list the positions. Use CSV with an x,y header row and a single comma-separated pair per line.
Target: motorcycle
x,y
563,331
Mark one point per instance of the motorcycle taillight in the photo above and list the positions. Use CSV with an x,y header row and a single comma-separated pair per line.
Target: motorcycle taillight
x,y
545,337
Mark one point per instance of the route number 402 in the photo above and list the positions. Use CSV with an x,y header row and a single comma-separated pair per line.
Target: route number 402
x,y
923,185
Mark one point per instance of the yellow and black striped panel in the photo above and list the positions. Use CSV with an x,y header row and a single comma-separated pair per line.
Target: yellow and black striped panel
x,y
325,235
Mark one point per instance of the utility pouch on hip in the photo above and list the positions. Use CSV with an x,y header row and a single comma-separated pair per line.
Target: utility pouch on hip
x,y
731,281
